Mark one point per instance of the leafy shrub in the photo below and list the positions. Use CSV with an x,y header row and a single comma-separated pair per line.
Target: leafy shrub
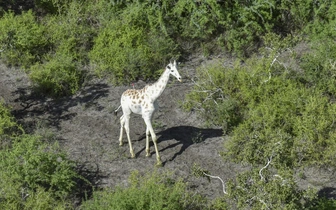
x,y
323,204
318,66
198,19
69,36
152,191
274,115
71,33
7,123
59,76
213,96
22,39
128,49
34,174
32,166
271,191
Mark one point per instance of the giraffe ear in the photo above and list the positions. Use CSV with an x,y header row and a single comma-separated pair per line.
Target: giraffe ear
x,y
174,62
171,61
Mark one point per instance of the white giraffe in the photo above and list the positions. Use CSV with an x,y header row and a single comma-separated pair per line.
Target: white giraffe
x,y
143,102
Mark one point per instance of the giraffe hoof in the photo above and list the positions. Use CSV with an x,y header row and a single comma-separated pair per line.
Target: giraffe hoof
x,y
121,144
159,163
148,155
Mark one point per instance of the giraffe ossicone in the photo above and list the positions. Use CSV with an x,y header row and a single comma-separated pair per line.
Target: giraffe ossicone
x,y
143,102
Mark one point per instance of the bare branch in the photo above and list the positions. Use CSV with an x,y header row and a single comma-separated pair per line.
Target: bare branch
x,y
260,174
217,177
257,198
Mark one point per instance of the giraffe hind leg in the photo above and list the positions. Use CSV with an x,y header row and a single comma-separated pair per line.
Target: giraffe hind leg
x,y
122,124
128,136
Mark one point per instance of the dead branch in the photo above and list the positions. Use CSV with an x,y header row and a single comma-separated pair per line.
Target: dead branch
x,y
260,171
217,177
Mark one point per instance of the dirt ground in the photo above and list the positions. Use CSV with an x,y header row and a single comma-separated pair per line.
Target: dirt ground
x,y
85,126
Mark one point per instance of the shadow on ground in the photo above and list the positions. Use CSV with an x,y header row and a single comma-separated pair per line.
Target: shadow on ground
x,y
327,192
55,110
87,181
185,136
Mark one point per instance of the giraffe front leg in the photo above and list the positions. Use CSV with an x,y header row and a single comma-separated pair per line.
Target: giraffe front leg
x,y
147,142
151,130
158,158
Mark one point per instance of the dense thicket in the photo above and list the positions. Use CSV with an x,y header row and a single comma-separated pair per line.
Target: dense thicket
x,y
34,174
278,108
276,101
58,42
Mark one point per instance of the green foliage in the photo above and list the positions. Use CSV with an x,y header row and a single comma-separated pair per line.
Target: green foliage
x,y
127,48
198,19
270,112
22,39
215,95
7,123
69,36
271,191
52,6
52,50
59,76
34,174
132,40
319,66
33,164
324,204
152,191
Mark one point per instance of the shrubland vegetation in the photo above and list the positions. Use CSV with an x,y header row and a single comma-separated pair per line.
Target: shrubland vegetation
x,y
34,174
276,102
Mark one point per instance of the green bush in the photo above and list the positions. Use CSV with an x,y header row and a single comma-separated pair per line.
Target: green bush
x,y
34,174
214,96
152,191
7,123
318,66
323,204
22,39
71,33
271,191
34,164
57,77
127,48
198,19
270,113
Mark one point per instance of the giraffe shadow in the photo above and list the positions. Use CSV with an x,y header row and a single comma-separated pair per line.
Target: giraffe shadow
x,y
185,136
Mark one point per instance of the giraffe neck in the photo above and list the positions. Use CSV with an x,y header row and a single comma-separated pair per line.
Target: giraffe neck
x,y
156,89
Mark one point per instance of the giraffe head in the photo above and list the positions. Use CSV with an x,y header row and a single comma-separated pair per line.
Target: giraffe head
x,y
172,67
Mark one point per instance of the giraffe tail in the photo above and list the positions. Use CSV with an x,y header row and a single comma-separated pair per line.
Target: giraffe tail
x,y
116,111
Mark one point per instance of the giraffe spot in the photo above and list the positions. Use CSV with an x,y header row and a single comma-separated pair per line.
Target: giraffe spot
x,y
143,97
133,102
139,101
